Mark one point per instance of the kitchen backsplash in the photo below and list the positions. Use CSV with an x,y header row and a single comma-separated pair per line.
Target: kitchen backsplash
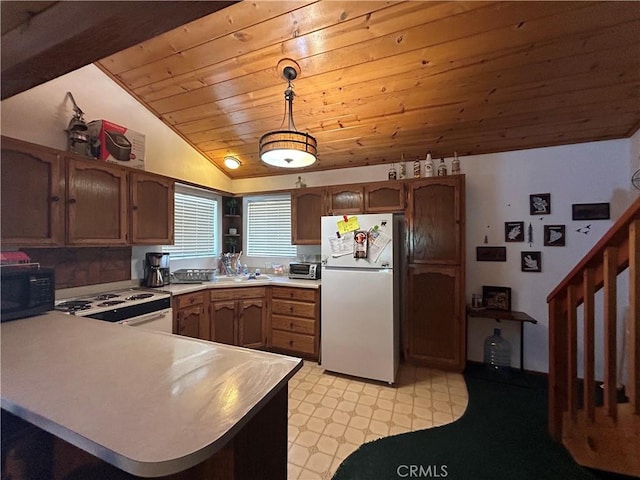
x,y
77,267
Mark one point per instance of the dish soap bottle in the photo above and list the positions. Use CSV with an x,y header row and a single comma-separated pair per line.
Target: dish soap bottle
x,y
246,270
428,166
442,168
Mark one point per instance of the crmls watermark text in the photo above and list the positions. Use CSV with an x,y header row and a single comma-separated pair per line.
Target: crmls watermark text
x,y
422,471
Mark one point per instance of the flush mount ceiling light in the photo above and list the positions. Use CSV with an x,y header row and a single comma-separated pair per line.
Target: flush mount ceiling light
x,y
232,162
288,148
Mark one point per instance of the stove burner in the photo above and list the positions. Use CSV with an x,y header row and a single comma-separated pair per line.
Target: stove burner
x,y
73,306
106,296
140,296
110,303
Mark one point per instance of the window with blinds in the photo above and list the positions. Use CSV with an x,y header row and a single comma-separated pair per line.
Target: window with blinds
x,y
196,222
269,226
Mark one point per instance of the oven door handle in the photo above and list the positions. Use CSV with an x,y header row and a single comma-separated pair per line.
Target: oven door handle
x,y
146,319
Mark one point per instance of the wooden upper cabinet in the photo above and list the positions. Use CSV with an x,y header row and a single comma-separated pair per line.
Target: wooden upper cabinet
x,y
97,212
345,199
152,209
32,195
306,211
384,197
436,225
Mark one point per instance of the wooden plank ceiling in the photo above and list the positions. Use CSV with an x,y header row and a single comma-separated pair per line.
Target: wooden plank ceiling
x,y
384,79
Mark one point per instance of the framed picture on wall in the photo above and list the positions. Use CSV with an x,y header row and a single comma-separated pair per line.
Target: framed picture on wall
x,y
540,204
590,211
491,254
554,235
531,261
498,298
514,231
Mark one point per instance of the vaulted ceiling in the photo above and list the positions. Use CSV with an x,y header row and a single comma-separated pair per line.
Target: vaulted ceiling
x,y
381,80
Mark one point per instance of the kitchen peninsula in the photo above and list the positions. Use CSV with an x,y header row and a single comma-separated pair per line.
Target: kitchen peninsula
x,y
149,403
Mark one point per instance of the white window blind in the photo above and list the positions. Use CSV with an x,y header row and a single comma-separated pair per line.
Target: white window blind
x,y
269,227
196,220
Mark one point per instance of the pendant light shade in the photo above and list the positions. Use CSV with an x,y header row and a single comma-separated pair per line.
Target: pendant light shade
x,y
288,148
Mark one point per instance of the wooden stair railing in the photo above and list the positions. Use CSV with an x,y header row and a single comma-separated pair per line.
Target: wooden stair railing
x,y
604,437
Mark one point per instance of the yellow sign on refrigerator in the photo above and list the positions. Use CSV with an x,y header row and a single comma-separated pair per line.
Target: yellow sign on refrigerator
x,y
348,225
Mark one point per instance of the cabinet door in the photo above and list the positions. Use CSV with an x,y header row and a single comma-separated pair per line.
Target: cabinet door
x,y
252,330
435,220
96,203
32,195
345,199
435,317
306,211
222,320
152,209
188,321
384,197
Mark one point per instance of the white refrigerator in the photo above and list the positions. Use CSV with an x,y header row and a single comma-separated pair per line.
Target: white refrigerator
x,y
360,297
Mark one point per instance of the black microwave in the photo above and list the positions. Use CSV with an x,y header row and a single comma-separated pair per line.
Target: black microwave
x,y
26,291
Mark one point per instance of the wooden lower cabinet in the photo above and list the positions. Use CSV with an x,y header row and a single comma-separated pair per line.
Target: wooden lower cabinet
x,y
284,319
238,316
295,321
190,315
435,317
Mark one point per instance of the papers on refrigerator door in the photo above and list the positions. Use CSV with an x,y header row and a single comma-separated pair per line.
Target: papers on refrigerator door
x,y
341,245
378,241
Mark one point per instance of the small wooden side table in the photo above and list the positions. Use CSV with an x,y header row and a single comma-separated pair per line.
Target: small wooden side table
x,y
499,315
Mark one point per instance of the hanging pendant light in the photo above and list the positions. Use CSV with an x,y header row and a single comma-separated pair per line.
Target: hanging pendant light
x,y
288,148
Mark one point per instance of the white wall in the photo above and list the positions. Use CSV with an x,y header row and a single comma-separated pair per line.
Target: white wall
x,y
41,115
498,188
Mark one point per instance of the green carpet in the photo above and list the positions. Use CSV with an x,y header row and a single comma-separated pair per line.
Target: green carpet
x,y
501,436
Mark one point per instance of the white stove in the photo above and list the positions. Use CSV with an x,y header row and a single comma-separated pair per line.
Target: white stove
x,y
130,306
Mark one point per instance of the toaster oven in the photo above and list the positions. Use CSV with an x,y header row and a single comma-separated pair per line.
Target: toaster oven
x,y
304,270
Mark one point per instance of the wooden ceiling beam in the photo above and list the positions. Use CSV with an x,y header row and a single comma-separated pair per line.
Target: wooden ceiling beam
x,y
70,35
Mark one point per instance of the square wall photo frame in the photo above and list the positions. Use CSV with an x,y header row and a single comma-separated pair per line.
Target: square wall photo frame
x,y
554,235
497,298
531,261
514,231
540,204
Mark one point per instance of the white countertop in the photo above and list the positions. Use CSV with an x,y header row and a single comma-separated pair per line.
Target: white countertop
x,y
230,282
150,403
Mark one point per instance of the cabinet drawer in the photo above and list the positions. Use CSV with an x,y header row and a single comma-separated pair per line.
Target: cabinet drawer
x,y
300,294
293,341
293,308
292,324
188,299
237,293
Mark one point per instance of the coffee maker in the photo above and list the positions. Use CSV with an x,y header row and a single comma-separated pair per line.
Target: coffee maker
x,y
156,269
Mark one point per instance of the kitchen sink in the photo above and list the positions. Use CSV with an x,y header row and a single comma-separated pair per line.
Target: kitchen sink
x,y
243,279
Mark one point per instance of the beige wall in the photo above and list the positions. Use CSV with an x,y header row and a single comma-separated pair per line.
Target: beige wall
x,y
40,115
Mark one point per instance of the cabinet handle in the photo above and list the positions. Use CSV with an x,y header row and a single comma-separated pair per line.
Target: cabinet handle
x,y
291,325
72,200
290,309
291,343
55,198
134,207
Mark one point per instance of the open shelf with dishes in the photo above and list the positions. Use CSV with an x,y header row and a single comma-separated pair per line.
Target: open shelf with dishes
x,y
232,224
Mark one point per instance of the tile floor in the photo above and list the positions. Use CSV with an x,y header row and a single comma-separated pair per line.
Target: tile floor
x,y
331,415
